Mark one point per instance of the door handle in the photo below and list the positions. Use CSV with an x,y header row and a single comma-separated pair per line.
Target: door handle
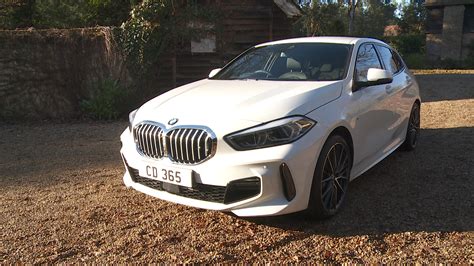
x,y
388,88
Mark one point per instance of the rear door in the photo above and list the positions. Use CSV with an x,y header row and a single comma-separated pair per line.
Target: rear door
x,y
397,102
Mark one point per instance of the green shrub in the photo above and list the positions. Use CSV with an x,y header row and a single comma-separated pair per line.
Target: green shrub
x,y
419,61
408,44
415,61
109,100
454,64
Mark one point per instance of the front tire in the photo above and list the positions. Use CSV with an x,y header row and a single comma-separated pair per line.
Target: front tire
x,y
413,130
331,178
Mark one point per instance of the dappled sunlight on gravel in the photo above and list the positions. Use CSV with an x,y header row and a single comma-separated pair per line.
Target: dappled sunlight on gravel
x,y
448,114
442,71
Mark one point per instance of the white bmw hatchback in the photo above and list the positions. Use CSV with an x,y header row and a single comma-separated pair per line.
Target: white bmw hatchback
x,y
282,128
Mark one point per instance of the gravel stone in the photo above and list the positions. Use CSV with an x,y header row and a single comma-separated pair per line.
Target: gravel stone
x,y
62,200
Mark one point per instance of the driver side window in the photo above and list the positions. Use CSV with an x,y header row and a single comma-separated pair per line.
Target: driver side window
x,y
366,58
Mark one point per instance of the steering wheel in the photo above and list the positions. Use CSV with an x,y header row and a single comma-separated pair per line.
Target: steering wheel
x,y
268,74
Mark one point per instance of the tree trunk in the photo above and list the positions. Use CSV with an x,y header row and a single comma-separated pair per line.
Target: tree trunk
x,y
352,8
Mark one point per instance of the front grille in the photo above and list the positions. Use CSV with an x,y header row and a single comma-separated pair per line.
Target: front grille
x,y
204,192
200,192
155,184
235,191
149,140
180,145
188,145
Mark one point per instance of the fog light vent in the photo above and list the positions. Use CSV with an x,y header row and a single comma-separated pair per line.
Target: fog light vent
x,y
287,180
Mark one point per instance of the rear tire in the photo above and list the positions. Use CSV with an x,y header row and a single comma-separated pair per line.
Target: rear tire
x,y
331,178
413,129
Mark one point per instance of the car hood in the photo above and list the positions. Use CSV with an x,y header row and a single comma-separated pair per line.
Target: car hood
x,y
227,105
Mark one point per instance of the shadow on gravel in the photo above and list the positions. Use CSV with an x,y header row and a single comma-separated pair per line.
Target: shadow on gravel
x,y
430,189
45,155
445,87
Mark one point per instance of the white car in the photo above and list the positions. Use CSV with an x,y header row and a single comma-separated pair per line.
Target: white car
x,y
282,128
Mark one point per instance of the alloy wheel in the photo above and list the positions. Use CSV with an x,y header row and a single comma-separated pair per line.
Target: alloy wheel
x,y
414,125
335,178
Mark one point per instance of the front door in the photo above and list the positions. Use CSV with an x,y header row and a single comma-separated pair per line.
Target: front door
x,y
374,116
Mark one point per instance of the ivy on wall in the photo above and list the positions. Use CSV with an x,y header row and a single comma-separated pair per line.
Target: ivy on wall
x,y
155,29
159,27
151,31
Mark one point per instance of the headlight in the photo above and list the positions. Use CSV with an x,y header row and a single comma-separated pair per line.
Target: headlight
x,y
131,117
270,134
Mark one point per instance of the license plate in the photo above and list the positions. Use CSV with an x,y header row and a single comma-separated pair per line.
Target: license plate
x,y
177,176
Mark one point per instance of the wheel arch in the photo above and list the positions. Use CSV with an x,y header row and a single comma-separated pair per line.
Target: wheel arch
x,y
346,134
418,101
338,130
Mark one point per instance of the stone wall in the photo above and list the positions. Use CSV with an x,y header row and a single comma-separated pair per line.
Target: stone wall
x,y
453,42
434,46
467,44
452,32
45,73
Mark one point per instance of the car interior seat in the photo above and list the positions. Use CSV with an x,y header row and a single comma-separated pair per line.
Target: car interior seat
x,y
294,68
328,72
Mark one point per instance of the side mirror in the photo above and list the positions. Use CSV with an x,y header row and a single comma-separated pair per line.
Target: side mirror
x,y
376,76
214,72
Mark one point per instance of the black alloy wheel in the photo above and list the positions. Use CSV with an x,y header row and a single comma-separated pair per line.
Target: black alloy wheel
x,y
331,178
413,130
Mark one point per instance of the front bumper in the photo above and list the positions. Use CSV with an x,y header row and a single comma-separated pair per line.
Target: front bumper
x,y
214,177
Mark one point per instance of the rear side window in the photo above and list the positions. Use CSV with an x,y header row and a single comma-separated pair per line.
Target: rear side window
x,y
398,61
391,63
366,58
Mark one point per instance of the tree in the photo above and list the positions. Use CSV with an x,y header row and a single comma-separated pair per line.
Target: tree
x,y
63,13
16,14
352,10
413,17
372,18
354,17
322,19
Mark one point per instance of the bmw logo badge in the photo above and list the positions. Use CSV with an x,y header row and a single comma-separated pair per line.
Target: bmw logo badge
x,y
173,121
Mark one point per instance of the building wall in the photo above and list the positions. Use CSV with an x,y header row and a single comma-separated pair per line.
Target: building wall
x,y
449,33
452,32
45,73
467,45
245,23
433,46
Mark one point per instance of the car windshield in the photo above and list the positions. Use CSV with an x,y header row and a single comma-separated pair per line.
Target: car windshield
x,y
295,61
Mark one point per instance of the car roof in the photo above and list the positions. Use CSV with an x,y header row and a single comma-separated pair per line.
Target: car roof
x,y
326,39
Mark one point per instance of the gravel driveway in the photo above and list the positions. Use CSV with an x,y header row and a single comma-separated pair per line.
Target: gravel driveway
x,y
62,200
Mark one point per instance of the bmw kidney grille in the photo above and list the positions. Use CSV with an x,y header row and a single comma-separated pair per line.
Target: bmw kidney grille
x,y
180,145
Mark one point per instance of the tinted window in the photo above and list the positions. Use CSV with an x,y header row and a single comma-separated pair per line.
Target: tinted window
x,y
388,60
294,61
398,61
366,58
